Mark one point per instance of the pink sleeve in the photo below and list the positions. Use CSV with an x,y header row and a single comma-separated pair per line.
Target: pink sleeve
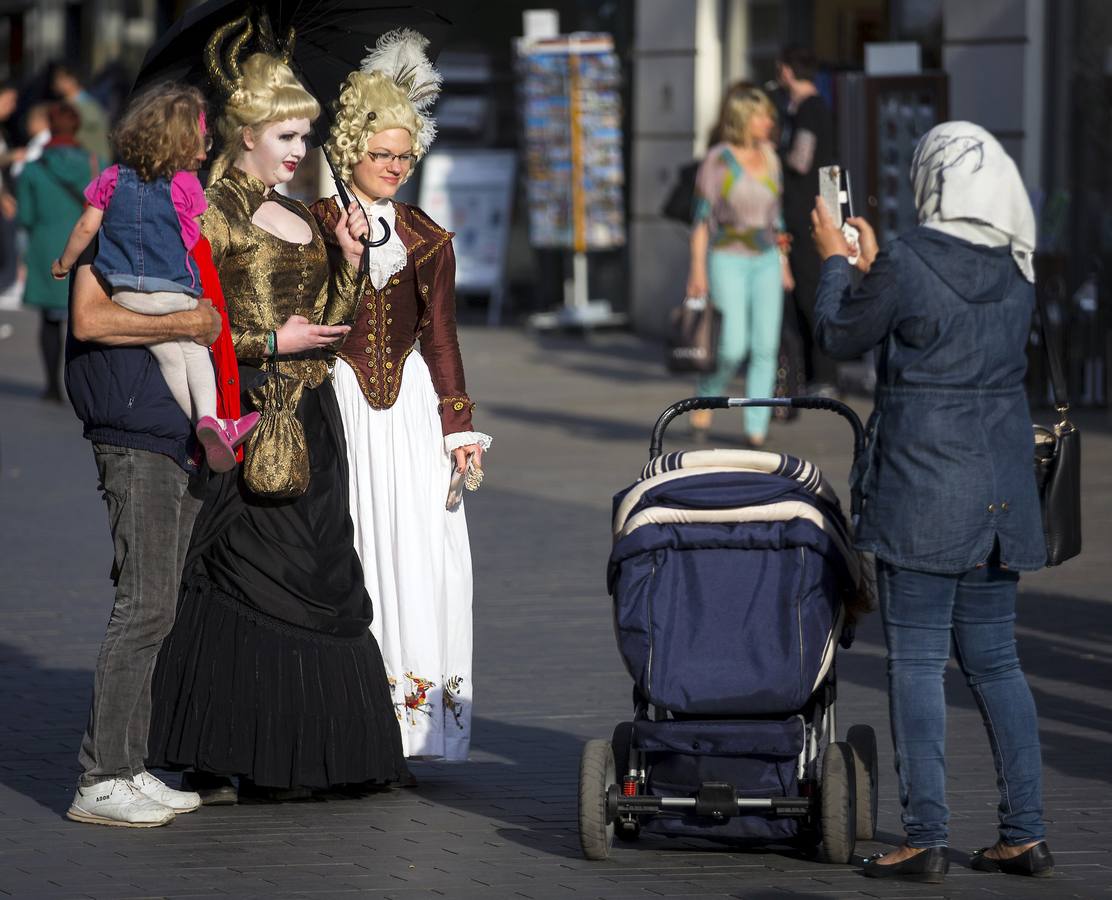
x,y
189,202
100,189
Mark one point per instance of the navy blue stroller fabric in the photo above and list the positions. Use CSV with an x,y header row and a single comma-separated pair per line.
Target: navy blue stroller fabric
x,y
758,757
731,617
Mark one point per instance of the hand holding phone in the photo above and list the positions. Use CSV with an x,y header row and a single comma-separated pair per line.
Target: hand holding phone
x,y
835,191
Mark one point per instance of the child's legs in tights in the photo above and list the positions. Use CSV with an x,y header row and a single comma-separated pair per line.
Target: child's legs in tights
x,y
170,357
188,372
201,378
184,364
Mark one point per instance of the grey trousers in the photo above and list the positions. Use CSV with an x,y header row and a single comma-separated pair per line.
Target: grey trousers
x,y
152,504
185,365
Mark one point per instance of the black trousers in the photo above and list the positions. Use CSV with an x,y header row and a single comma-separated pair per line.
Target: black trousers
x,y
806,267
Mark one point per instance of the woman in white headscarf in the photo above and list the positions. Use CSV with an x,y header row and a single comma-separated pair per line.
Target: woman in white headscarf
x,y
949,503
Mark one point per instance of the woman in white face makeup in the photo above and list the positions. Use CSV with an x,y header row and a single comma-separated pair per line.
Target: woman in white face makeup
x,y
403,400
270,672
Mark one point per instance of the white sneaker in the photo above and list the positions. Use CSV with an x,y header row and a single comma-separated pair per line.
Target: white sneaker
x,y
118,802
160,792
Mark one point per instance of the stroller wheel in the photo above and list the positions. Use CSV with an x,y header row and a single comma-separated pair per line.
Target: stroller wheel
x,y
862,739
839,804
596,778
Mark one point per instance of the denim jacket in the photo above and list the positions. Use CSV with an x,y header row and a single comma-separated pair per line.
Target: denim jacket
x,y
948,468
141,247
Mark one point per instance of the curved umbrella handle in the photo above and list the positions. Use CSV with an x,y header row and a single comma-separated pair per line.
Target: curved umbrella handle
x,y
367,242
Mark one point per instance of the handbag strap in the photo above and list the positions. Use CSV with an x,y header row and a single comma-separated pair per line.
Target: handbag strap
x,y
1053,359
73,190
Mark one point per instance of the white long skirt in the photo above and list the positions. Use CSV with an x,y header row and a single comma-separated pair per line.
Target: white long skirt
x,y
416,558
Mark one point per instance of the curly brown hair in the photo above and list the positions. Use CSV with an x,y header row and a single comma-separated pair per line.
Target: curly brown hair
x,y
160,133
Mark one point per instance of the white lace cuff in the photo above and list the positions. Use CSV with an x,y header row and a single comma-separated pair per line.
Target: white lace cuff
x,y
463,438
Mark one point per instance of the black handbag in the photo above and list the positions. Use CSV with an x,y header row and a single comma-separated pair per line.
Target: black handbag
x,y
680,204
1058,463
696,327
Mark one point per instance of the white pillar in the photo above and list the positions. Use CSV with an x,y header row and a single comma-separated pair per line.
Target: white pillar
x,y
995,53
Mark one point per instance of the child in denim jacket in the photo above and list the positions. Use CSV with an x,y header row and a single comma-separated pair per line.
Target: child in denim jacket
x,y
146,210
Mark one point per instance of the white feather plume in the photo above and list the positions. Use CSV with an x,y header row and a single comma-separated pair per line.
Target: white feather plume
x,y
400,54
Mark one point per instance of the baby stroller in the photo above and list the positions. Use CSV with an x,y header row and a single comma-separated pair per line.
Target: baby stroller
x,y
730,574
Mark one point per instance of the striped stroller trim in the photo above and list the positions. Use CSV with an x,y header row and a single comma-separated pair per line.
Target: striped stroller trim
x,y
770,512
806,473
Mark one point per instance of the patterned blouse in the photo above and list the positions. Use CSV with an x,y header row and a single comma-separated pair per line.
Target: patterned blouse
x,y
742,212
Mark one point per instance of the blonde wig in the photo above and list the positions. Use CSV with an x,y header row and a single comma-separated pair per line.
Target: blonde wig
x,y
741,103
265,91
394,88
369,103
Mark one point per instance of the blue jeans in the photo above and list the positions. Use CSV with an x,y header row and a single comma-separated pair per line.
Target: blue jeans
x,y
921,611
749,290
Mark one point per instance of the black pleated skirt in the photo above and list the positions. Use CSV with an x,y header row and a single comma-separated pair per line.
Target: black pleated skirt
x,y
270,670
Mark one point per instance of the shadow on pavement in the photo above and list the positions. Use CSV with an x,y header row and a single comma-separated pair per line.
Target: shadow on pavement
x,y
1065,647
43,712
20,389
583,427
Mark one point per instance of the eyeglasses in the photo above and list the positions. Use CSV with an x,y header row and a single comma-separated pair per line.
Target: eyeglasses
x,y
381,158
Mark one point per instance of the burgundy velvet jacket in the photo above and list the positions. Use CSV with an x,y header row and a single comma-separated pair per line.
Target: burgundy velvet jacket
x,y
418,304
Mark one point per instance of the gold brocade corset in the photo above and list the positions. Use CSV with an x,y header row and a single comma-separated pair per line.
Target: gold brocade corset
x,y
265,279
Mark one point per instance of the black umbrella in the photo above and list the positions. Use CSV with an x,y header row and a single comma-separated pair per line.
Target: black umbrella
x,y
330,39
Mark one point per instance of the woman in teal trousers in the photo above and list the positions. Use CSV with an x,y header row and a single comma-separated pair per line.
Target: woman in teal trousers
x,y
736,257
50,201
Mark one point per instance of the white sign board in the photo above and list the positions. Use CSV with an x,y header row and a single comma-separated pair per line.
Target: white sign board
x,y
893,59
470,192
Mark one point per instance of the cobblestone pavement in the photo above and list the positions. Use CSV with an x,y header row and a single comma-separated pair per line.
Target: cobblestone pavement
x,y
571,418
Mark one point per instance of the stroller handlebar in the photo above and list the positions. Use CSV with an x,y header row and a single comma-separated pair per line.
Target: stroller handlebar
x,y
692,403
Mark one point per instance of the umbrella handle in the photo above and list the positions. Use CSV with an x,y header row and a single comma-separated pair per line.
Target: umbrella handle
x,y
367,242
365,257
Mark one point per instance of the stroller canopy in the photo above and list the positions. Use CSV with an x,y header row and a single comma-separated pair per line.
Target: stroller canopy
x,y
729,574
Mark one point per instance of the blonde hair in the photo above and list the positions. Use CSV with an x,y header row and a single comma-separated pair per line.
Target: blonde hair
x,y
265,93
160,133
741,103
369,103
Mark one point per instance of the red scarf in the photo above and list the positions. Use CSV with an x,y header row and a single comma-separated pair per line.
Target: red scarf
x,y
223,353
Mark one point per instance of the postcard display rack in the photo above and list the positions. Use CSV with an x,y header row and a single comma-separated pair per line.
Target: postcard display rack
x,y
571,115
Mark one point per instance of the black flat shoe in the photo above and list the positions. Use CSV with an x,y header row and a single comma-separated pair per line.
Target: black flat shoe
x,y
215,790
929,866
251,791
1035,861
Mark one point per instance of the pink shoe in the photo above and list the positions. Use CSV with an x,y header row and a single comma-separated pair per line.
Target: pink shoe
x,y
237,430
218,449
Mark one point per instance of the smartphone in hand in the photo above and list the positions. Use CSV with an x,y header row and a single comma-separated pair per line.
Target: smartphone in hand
x,y
835,191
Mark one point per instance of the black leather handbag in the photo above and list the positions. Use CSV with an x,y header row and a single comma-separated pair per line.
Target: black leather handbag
x,y
1058,464
680,205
